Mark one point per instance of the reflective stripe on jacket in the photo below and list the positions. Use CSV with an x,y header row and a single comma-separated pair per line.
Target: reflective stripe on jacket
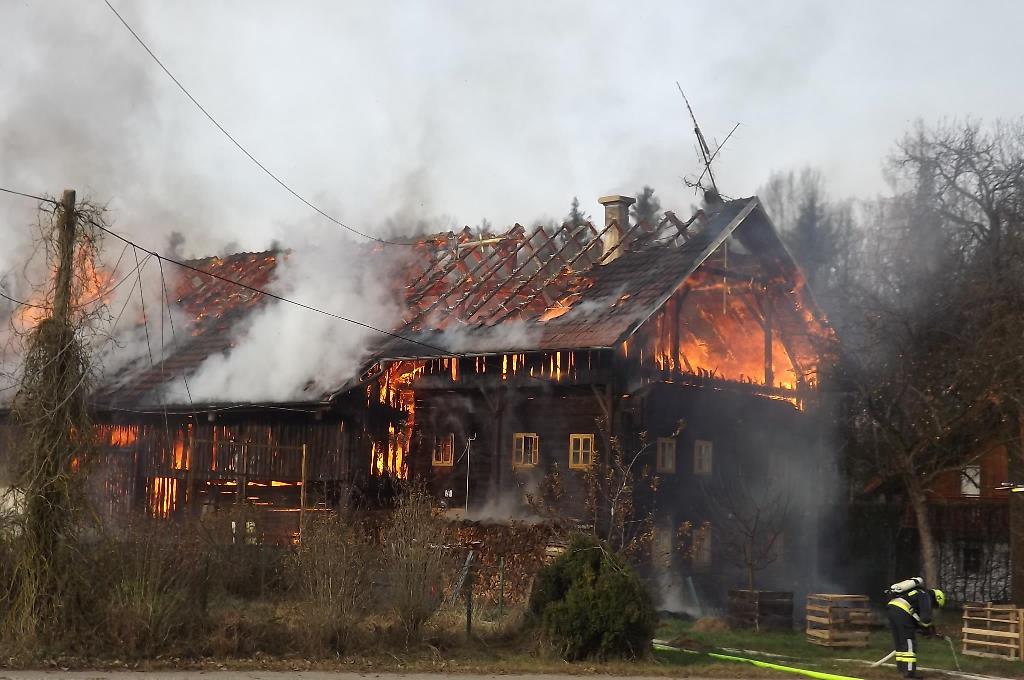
x,y
917,603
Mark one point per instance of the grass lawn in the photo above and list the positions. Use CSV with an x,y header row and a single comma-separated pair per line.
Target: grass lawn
x,y
933,652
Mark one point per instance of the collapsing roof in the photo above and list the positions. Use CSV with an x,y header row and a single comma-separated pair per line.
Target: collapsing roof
x,y
577,287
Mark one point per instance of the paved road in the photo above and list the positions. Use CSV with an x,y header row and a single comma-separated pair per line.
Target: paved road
x,y
272,675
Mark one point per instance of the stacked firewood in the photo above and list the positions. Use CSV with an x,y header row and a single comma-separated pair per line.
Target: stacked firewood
x,y
508,557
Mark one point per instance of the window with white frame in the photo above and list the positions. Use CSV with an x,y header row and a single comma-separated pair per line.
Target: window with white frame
x,y
702,457
444,451
525,449
581,451
970,480
666,461
701,552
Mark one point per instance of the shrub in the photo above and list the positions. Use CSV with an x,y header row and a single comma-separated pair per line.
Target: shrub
x,y
417,564
332,575
590,604
241,565
156,594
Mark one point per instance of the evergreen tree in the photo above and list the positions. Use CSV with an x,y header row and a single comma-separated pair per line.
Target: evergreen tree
x,y
576,216
647,207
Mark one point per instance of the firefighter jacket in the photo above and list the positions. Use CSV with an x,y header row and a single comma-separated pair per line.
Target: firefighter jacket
x,y
917,603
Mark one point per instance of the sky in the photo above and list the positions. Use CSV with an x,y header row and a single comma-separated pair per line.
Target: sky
x,y
391,113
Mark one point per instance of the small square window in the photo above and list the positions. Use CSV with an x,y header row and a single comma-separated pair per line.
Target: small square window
x,y
666,462
970,480
525,449
581,451
444,451
702,457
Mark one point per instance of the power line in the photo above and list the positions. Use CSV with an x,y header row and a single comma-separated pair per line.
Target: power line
x,y
21,193
274,296
241,148
21,303
184,265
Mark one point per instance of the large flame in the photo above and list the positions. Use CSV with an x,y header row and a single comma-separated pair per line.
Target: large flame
x,y
720,330
395,389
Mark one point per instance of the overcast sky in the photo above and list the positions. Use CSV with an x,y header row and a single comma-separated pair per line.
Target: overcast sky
x,y
469,110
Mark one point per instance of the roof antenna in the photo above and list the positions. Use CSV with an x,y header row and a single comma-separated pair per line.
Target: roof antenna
x,y
706,152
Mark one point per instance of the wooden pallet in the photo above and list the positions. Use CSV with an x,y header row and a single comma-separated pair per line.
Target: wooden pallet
x,y
760,610
993,631
839,620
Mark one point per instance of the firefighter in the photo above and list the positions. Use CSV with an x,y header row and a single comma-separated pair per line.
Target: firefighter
x,y
910,610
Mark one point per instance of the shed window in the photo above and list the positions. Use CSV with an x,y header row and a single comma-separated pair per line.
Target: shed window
x,y
970,481
702,457
525,449
444,451
666,462
581,451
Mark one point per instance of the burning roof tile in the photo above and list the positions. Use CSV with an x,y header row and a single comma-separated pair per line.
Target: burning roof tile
x,y
570,288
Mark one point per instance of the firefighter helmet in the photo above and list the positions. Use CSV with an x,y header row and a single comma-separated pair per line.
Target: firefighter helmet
x,y
940,597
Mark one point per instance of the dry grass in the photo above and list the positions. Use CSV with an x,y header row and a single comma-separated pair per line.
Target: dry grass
x,y
155,592
710,624
332,580
417,566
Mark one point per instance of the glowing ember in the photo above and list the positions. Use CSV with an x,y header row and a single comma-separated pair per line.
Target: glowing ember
x,y
122,436
163,496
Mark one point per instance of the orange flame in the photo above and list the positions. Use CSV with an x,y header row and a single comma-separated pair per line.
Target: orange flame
x,y
708,333
395,390
92,287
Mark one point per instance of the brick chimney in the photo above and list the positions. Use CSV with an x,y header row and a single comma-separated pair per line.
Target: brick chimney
x,y
616,211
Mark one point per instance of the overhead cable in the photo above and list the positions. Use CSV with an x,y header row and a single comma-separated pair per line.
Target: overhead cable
x,y
274,296
241,148
197,270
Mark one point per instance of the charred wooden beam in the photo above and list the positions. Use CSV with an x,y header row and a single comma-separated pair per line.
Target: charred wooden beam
x,y
769,370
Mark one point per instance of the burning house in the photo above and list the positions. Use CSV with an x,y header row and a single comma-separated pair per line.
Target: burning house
x,y
692,346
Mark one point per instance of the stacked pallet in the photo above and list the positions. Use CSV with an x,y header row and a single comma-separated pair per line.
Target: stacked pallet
x,y
993,630
838,620
760,610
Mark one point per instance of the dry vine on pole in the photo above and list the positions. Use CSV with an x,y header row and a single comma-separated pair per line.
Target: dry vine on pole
x,y
43,598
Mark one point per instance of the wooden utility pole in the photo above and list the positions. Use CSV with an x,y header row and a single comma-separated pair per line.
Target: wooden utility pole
x,y
66,259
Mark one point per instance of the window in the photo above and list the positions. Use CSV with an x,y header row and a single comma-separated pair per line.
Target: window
x,y
525,449
444,451
581,451
701,555
666,455
970,480
701,457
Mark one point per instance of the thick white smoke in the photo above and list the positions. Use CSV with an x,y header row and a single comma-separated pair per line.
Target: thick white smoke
x,y
285,352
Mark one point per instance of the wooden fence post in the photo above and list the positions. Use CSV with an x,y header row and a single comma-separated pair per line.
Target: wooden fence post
x,y
467,589
302,496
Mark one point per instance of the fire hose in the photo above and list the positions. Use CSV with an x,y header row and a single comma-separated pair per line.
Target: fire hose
x,y
949,641
817,675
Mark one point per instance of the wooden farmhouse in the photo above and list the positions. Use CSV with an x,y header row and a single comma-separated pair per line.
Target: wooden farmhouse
x,y
689,348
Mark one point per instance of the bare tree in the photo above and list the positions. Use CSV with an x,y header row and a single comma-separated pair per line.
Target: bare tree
x,y
749,521
935,365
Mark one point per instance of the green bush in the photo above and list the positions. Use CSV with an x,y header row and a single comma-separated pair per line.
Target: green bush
x,y
590,604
